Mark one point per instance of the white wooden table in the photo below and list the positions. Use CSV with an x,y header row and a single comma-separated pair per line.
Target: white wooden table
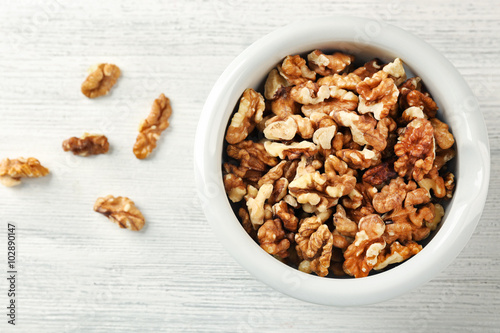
x,y
77,272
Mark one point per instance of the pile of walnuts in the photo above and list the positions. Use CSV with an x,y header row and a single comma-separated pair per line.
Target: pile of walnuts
x,y
335,169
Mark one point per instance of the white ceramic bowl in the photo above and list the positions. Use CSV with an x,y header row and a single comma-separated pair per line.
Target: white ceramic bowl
x,y
365,39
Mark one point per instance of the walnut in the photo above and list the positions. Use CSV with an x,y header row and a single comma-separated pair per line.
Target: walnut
x,y
151,127
395,71
278,129
444,138
380,174
365,129
255,203
252,155
321,190
362,255
325,130
443,156
272,238
235,187
273,83
415,149
243,172
273,174
397,253
328,64
344,81
88,144
283,104
392,195
120,210
412,113
309,93
412,96
368,69
408,223
377,95
101,79
290,151
344,225
314,243
360,159
286,214
340,99
250,111
438,216
449,184
280,189
432,181
245,221
12,170
295,70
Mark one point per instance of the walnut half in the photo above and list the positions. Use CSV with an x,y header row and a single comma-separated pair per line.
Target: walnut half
x,y
151,127
100,80
88,144
11,171
120,210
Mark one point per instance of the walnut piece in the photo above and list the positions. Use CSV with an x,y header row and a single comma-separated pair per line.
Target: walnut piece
x,y
328,64
295,70
120,210
88,144
380,174
101,79
235,187
444,138
362,255
273,83
249,113
286,214
12,170
315,243
415,149
272,238
252,155
397,253
151,127
344,81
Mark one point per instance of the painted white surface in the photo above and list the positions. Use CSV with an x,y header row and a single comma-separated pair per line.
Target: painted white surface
x,y
81,273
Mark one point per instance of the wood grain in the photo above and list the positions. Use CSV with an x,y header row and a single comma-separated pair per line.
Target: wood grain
x,y
80,273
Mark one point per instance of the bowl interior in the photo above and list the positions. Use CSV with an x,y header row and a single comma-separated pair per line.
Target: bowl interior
x,y
458,108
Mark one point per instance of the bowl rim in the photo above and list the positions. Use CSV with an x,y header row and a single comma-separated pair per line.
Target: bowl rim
x,y
461,109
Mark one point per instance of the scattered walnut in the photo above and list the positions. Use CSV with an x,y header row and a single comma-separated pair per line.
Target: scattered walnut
x,y
151,127
12,170
120,210
283,104
415,149
278,129
295,70
249,113
360,159
101,79
272,238
88,144
328,64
